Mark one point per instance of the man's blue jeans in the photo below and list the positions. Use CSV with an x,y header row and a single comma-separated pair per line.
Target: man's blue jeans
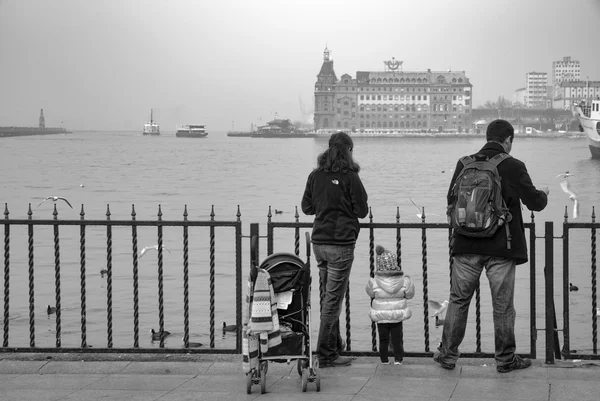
x,y
334,262
465,278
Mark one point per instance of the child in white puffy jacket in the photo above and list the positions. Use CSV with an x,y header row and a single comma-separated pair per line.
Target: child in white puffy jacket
x,y
389,291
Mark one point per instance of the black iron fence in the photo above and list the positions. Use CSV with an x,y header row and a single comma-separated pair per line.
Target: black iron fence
x,y
158,336
233,262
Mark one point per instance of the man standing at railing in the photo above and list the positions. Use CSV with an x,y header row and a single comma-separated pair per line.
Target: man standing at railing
x,y
498,254
335,194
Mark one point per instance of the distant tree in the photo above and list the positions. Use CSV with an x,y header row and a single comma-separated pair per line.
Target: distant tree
x,y
501,104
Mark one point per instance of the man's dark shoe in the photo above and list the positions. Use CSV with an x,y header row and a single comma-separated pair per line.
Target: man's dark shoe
x,y
438,358
339,361
517,363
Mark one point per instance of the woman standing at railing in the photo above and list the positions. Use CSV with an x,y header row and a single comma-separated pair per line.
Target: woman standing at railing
x,y
336,196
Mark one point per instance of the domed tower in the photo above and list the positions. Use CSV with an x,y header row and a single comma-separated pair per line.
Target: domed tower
x,y
324,93
42,120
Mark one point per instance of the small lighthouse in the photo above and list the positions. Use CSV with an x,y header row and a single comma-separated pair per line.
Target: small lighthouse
x,y
42,120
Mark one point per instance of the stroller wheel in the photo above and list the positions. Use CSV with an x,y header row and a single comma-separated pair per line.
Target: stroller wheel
x,y
300,365
304,379
249,383
264,367
317,373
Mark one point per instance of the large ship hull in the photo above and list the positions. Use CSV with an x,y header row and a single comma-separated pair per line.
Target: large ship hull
x,y
27,131
591,128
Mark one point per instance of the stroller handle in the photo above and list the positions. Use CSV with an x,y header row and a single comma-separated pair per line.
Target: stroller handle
x,y
307,235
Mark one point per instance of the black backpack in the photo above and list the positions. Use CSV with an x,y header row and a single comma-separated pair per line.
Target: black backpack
x,y
478,209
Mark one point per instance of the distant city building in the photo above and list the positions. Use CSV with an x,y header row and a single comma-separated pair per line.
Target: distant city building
x,y
536,90
392,99
519,97
570,92
565,70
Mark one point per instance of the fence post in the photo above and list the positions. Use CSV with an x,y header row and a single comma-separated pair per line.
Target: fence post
x,y
254,244
549,299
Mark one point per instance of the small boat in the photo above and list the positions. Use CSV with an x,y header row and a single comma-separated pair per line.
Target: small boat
x,y
152,127
588,115
191,131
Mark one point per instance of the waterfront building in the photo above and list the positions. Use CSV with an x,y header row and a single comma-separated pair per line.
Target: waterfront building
x,y
536,90
570,92
392,99
565,70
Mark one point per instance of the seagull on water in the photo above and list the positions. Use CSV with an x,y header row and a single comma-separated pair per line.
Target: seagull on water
x,y
158,335
229,327
420,213
566,187
155,247
54,199
192,344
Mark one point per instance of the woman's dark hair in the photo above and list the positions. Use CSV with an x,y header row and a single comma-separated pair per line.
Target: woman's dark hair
x,y
499,130
338,156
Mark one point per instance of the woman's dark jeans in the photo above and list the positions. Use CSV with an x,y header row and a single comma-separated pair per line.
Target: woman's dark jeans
x,y
334,262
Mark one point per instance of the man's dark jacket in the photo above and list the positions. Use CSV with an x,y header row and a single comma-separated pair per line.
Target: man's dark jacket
x,y
516,188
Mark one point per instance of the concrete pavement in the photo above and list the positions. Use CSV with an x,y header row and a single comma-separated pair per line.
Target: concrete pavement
x,y
85,377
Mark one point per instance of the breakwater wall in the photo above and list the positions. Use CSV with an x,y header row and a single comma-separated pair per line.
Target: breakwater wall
x,y
26,131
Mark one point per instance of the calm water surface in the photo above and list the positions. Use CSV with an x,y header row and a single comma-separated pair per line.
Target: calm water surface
x,y
120,169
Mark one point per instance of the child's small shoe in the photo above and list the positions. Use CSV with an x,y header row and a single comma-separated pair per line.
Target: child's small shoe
x,y
398,363
385,362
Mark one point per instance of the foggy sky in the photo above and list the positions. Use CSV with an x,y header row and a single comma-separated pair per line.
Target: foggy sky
x,y
104,64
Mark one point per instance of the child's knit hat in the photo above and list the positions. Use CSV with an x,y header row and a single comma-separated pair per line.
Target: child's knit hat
x,y
386,262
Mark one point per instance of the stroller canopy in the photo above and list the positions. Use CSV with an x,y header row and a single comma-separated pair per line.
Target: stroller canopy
x,y
287,271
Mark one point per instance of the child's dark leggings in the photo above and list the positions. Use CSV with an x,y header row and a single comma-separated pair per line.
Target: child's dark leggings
x,y
395,329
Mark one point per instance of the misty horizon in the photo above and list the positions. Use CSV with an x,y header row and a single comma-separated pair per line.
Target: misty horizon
x,y
230,64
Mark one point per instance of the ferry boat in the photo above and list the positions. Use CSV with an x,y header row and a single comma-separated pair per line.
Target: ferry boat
x,y
588,115
152,127
191,131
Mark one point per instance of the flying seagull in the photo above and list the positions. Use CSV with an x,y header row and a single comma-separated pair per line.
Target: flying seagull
x,y
566,174
420,213
438,309
155,247
566,187
54,199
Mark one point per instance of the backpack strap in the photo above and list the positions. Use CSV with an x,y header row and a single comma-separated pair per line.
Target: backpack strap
x,y
466,160
496,160
499,158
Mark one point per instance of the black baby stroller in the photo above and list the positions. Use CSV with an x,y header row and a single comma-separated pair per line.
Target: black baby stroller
x,y
290,276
